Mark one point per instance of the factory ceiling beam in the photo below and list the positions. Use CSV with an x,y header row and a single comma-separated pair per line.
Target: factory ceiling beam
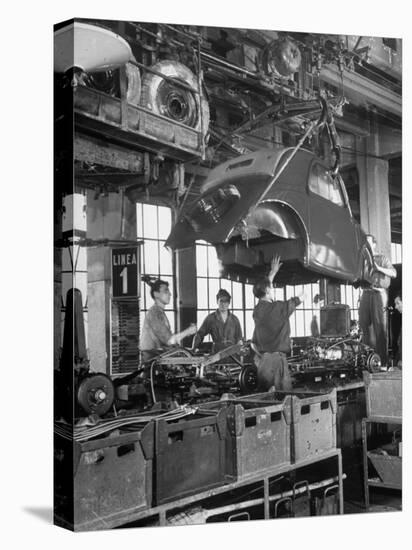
x,y
362,91
358,128
95,151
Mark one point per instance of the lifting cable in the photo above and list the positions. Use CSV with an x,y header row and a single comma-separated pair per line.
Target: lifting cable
x,y
328,112
312,127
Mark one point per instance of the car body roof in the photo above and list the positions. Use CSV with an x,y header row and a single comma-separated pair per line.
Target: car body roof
x,y
259,163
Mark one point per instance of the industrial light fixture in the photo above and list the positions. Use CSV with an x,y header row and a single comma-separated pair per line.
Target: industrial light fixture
x,y
84,47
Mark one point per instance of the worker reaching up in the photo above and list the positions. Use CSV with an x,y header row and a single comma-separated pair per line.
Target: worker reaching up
x,y
271,337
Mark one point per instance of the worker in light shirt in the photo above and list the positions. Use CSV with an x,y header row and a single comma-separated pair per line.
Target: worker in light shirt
x,y
373,303
156,332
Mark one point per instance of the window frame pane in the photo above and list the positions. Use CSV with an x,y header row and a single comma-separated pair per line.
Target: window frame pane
x,y
148,228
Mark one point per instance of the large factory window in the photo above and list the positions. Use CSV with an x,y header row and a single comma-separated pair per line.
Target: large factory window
x,y
306,319
153,226
243,301
208,284
396,253
304,322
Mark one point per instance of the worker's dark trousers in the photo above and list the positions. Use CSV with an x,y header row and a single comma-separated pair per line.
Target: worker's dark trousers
x,y
273,370
372,321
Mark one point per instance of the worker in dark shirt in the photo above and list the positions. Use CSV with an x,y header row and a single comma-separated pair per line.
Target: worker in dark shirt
x,y
222,325
271,337
373,302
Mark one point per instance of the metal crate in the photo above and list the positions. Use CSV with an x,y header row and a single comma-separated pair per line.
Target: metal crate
x,y
384,395
313,421
190,455
314,424
259,434
388,464
112,478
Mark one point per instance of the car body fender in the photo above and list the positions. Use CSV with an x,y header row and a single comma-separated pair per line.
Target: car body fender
x,y
277,218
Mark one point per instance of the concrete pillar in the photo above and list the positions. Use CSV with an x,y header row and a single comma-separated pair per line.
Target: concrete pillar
x,y
374,189
108,217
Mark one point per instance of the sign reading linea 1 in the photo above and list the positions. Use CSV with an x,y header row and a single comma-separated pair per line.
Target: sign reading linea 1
x,y
125,270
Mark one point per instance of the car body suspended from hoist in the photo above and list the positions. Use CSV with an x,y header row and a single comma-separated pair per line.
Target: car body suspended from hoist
x,y
249,214
285,202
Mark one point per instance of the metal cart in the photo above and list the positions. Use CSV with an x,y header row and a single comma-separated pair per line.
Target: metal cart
x,y
389,467
384,406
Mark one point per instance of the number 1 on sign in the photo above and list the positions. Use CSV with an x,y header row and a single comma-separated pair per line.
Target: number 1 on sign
x,y
123,275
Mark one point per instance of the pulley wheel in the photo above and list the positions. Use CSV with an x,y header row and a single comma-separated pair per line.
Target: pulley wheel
x,y
373,362
134,84
175,102
248,379
95,394
281,56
